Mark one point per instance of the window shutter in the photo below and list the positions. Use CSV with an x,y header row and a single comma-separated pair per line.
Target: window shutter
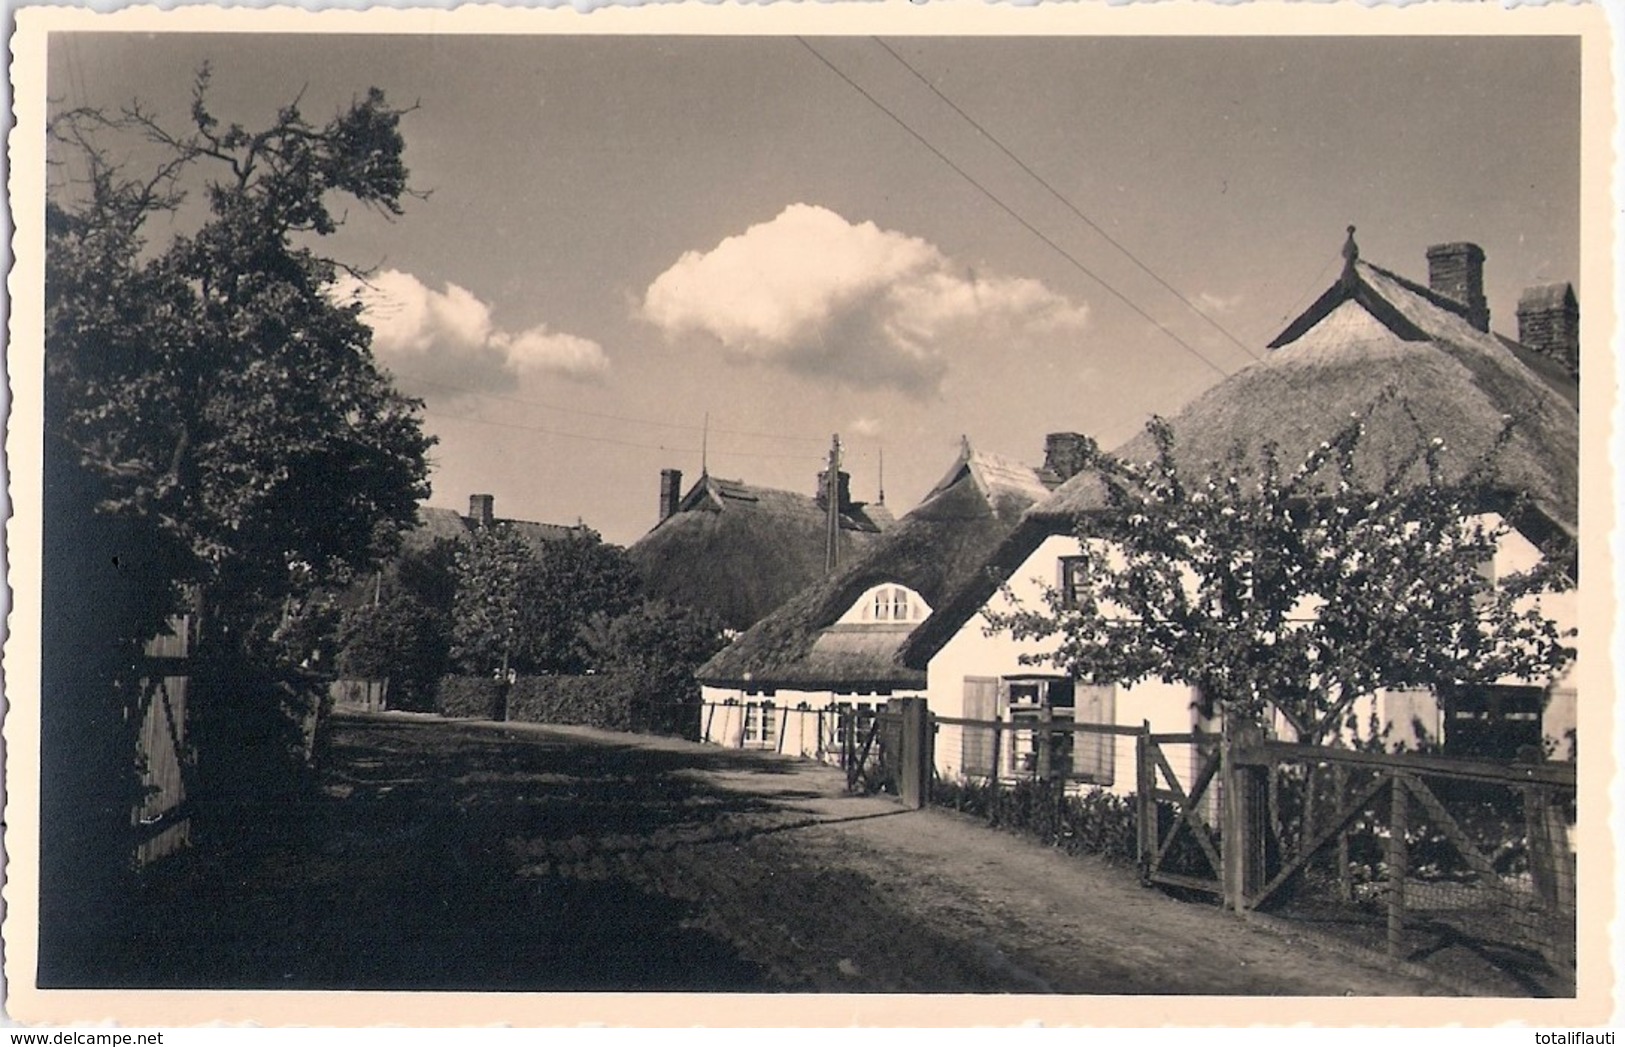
x,y
1095,755
1404,711
976,743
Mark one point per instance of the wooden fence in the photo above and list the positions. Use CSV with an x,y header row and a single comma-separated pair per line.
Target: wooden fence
x,y
1417,848
1438,847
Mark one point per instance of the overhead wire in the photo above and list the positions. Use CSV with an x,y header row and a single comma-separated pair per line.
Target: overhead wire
x,y
1007,209
1065,202
420,379
608,439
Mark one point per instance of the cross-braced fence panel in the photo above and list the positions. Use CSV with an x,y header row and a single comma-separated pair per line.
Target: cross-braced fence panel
x,y
1430,850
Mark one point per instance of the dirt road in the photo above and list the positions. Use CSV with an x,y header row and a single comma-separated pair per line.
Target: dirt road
x,y
460,855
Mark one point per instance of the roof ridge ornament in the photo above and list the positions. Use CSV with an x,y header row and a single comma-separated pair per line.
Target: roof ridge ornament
x,y
1351,254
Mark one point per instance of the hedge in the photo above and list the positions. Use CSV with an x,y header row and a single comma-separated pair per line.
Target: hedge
x,y
467,697
611,701
1092,822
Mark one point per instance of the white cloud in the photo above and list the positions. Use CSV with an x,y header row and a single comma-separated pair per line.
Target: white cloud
x,y
446,338
1210,303
864,427
539,349
813,292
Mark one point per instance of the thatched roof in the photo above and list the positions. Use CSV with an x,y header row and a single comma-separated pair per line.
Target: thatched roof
x,y
1375,344
739,550
1381,346
435,524
932,551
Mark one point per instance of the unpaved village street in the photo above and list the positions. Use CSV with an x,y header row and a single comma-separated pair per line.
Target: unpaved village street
x,y
462,855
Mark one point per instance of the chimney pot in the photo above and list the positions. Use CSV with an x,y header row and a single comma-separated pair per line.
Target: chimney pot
x,y
482,509
1456,271
671,492
844,483
1065,454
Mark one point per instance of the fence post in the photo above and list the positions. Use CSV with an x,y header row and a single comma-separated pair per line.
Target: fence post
x,y
1145,804
1551,869
1345,870
993,770
1246,815
914,772
1398,861
1045,743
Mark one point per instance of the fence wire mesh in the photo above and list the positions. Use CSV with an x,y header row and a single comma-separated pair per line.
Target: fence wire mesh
x,y
1428,858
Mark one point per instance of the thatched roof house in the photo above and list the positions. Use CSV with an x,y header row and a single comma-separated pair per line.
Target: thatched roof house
x,y
811,644
1418,361
435,524
739,550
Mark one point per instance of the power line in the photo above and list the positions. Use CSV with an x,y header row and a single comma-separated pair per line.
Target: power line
x,y
1035,176
598,414
1057,248
609,439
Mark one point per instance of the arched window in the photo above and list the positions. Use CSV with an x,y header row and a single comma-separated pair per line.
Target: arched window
x,y
887,603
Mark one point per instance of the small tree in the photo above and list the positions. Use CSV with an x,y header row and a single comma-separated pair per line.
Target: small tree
x,y
524,608
661,644
1296,592
491,571
572,582
403,631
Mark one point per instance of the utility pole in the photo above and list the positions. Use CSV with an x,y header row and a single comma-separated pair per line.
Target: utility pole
x,y
832,498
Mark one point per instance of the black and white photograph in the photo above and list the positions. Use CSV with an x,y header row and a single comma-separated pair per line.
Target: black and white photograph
x,y
777,515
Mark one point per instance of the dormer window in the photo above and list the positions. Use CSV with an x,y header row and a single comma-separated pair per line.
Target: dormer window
x,y
887,604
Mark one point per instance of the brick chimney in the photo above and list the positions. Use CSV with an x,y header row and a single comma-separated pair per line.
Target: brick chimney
x,y
1065,454
844,480
482,509
671,492
1456,271
1549,324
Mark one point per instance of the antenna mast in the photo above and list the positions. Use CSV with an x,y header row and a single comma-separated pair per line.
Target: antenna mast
x,y
705,443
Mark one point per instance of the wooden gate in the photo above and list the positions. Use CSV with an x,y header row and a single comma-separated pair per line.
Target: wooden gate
x,y
1178,844
161,820
870,744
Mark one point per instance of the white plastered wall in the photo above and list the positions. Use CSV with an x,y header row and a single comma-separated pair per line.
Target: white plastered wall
x,y
973,653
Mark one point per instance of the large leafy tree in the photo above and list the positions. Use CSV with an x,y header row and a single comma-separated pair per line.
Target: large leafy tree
x,y
210,386
1296,591
217,432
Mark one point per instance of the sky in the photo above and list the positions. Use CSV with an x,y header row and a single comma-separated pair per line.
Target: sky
x,y
648,252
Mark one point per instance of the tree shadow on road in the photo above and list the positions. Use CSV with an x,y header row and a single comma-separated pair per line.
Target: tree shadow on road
x,y
416,868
